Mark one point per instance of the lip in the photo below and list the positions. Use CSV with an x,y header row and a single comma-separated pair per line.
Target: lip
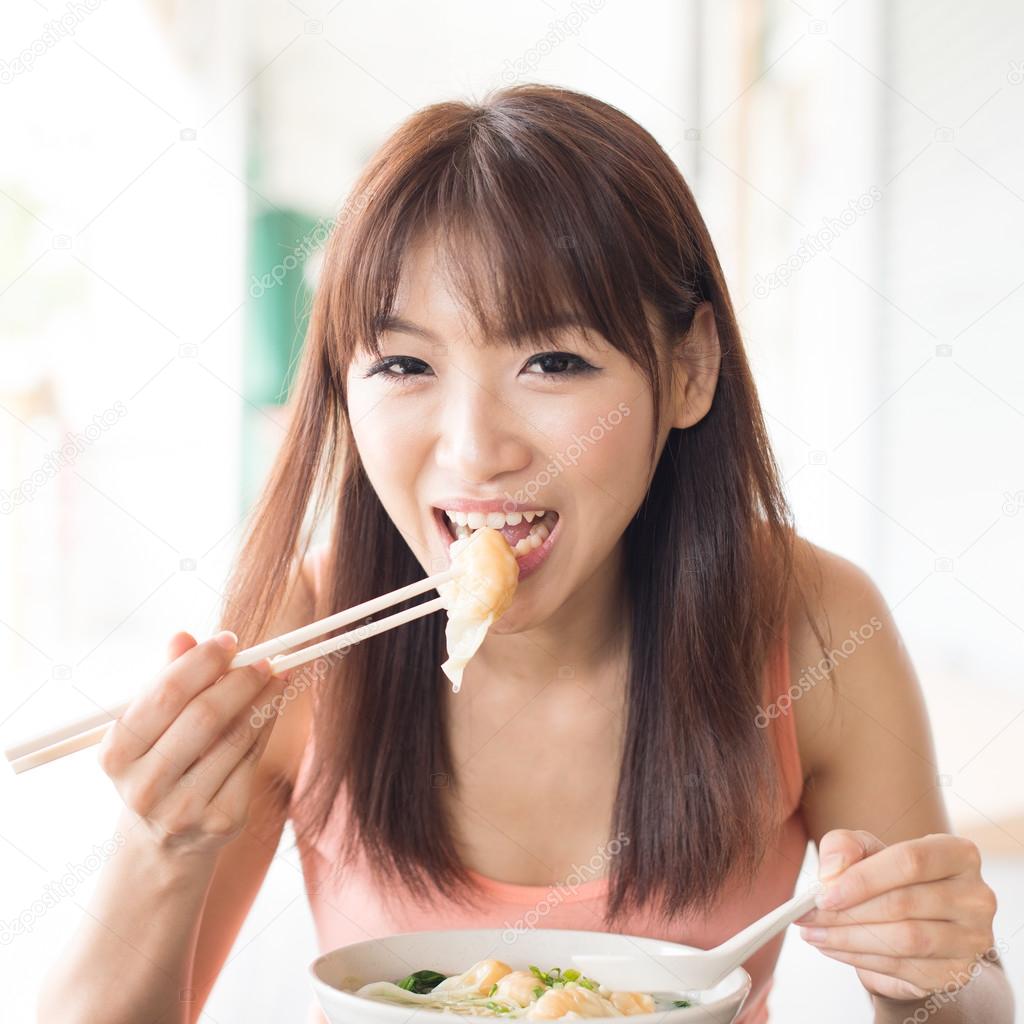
x,y
528,563
486,505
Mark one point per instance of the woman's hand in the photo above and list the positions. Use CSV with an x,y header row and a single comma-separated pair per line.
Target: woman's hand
x,y
182,755
912,918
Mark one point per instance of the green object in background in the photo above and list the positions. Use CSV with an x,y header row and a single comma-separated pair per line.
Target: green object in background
x,y
280,245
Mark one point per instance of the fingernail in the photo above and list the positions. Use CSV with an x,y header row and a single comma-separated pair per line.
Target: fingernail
x,y
813,934
831,865
226,639
262,667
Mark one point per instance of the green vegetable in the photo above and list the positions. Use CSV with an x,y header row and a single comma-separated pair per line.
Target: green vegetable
x,y
681,1003
421,982
558,978
543,975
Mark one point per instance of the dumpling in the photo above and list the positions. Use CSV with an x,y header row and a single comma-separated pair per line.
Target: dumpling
x,y
478,980
630,1004
583,1002
483,588
519,987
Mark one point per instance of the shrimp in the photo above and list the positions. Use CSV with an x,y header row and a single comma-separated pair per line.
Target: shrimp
x,y
486,575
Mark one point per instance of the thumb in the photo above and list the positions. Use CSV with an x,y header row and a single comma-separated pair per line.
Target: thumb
x,y
842,847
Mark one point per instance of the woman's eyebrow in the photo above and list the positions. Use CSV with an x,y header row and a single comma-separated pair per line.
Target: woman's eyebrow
x,y
399,325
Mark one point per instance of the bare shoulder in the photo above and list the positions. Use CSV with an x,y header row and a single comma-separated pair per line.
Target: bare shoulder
x,y
294,723
861,719
837,615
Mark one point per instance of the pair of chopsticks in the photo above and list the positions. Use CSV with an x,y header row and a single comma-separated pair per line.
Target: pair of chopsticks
x,y
84,732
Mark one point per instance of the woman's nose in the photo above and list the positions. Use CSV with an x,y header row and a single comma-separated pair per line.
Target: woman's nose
x,y
480,437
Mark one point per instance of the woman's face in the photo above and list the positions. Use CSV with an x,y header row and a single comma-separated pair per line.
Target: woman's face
x,y
447,422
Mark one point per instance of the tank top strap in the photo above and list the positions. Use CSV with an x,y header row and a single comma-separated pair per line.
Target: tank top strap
x,y
776,714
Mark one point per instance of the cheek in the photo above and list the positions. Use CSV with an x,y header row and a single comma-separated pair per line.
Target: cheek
x,y
606,454
389,459
389,455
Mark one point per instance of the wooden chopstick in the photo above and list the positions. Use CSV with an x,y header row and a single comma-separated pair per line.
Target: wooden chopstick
x,y
85,732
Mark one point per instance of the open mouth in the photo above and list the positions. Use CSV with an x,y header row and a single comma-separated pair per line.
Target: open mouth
x,y
530,533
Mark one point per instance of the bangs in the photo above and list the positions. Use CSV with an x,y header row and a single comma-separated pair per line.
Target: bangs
x,y
529,236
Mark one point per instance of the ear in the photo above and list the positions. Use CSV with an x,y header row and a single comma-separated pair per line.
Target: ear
x,y
695,367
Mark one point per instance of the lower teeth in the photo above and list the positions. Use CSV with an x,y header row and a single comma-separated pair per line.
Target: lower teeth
x,y
537,535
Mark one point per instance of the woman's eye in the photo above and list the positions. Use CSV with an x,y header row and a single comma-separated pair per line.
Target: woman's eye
x,y
559,364
398,368
402,369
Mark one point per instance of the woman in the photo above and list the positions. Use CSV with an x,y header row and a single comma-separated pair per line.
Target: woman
x,y
521,312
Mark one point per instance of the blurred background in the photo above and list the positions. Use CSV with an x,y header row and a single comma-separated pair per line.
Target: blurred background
x,y
170,171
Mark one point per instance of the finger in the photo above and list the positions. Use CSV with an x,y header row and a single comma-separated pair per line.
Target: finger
x,y
935,901
208,773
198,726
842,847
179,644
909,939
151,777
916,860
236,788
149,715
925,975
895,988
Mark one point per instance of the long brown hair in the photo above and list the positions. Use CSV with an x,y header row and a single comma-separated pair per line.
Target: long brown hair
x,y
575,204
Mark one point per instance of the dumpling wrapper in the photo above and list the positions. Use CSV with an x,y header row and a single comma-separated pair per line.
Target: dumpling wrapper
x,y
480,593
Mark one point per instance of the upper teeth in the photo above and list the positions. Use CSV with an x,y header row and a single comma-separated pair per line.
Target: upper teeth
x,y
494,520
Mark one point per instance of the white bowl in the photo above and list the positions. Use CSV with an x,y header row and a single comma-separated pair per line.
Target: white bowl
x,y
338,974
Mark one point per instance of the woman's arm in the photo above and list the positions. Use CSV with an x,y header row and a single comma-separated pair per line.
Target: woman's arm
x,y
243,864
164,915
149,947
911,912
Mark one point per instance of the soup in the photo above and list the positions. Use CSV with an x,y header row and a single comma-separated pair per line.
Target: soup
x,y
491,988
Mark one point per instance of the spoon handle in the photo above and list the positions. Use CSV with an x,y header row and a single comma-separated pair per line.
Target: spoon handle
x,y
755,935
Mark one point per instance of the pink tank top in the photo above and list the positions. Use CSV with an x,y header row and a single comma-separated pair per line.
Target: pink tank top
x,y
353,909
